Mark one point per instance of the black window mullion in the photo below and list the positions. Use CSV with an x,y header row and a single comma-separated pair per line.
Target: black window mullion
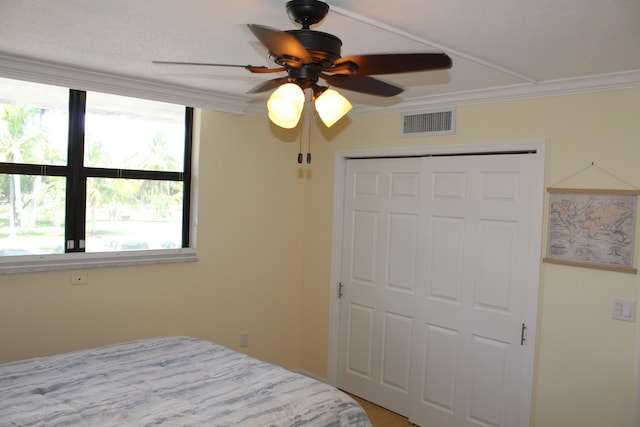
x,y
186,189
132,174
76,178
31,169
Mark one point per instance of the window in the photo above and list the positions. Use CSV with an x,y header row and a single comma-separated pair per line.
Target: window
x,y
91,172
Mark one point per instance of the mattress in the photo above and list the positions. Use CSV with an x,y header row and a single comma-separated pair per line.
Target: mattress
x,y
168,381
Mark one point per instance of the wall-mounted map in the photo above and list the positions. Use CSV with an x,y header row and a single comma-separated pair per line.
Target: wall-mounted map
x,y
592,228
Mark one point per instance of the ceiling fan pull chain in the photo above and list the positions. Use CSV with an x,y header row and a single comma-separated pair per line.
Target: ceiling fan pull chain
x,y
300,149
309,135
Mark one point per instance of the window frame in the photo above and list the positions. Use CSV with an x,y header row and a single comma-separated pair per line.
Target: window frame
x,y
76,174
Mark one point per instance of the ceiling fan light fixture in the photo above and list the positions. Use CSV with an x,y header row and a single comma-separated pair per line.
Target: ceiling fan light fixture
x,y
307,55
285,105
331,106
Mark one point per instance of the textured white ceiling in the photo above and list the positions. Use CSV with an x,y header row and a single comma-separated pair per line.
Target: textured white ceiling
x,y
500,48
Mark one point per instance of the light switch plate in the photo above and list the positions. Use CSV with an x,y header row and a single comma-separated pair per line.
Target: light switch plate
x,y
622,309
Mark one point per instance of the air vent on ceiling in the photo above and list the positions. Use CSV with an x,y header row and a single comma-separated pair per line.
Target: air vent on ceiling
x,y
436,122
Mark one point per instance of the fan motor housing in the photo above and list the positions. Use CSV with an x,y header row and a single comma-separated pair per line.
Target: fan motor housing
x,y
323,47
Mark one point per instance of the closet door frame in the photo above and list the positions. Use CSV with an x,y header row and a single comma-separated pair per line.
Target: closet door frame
x,y
536,147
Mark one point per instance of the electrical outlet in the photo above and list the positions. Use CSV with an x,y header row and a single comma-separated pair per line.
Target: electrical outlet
x,y
622,309
244,340
81,278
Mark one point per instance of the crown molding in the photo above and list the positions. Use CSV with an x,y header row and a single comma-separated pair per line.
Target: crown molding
x,y
77,78
61,75
616,81
606,82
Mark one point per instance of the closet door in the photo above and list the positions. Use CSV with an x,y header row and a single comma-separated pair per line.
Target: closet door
x,y
380,240
437,274
472,294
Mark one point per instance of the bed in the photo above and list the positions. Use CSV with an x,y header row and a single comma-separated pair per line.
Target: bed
x,y
170,381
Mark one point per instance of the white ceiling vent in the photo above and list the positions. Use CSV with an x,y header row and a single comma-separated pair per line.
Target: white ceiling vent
x,y
436,122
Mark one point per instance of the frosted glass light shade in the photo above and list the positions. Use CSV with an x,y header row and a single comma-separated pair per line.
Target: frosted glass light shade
x,y
285,105
331,106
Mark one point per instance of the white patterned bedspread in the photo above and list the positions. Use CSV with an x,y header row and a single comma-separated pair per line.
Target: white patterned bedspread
x,y
169,381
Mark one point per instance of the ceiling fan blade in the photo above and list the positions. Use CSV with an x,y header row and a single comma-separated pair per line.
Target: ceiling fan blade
x,y
362,84
280,43
268,85
252,68
393,63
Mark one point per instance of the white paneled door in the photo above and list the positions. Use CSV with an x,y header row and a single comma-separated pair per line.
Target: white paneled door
x,y
438,275
381,235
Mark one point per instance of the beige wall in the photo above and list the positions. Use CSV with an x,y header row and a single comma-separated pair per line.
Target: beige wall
x,y
586,362
246,280
264,244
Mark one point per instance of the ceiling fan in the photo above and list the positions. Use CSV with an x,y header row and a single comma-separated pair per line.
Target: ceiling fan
x,y
308,55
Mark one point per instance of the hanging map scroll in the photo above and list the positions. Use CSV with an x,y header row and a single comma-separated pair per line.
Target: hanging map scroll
x,y
592,228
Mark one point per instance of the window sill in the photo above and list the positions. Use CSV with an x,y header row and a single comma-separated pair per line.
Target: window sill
x,y
82,261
